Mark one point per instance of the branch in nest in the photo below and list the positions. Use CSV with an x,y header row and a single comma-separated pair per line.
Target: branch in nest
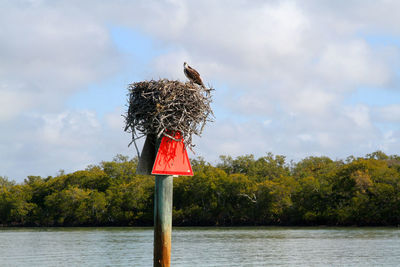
x,y
155,106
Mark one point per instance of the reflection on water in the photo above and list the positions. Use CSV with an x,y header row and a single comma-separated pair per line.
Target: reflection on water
x,y
273,246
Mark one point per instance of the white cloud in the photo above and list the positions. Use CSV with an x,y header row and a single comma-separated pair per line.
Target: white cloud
x,y
42,144
13,102
49,53
360,116
351,64
252,103
162,65
389,113
309,101
287,68
228,137
115,120
69,128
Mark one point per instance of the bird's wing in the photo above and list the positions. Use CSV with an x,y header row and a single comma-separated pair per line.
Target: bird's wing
x,y
194,71
195,76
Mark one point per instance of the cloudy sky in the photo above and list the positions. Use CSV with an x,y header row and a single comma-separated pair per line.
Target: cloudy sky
x,y
295,78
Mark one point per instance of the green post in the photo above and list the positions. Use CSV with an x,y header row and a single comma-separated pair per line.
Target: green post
x,y
162,220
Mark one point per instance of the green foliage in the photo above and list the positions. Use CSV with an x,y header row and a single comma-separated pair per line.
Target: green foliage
x,y
15,205
237,191
5,182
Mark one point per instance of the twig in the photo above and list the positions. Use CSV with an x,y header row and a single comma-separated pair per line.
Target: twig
x,y
155,106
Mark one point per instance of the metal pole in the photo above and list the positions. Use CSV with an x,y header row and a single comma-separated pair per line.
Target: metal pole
x,y
162,220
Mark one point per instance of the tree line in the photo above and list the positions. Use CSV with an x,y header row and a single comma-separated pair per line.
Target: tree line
x,y
237,191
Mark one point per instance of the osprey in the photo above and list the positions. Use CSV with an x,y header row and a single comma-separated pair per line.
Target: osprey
x,y
192,75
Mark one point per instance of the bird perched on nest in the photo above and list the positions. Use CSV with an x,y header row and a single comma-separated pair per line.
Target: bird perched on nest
x,y
192,75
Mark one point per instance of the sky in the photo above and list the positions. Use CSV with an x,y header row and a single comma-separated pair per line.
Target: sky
x,y
294,78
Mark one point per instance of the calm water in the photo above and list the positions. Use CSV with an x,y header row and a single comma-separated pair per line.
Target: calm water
x,y
202,247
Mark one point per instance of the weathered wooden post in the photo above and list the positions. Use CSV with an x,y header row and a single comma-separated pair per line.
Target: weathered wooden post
x,y
162,220
163,158
168,113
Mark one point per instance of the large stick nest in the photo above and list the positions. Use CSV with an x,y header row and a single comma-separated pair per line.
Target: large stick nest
x,y
164,107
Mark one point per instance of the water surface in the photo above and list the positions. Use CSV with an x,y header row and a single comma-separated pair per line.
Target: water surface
x,y
269,246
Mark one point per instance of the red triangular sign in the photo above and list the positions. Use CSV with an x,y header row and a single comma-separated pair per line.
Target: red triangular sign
x,y
172,158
